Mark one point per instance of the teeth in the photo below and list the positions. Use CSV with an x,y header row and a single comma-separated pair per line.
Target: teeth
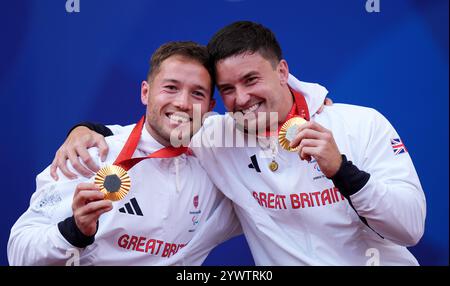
x,y
178,118
250,109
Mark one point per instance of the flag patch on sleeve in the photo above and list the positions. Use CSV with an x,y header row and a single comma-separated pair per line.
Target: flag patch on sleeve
x,y
397,146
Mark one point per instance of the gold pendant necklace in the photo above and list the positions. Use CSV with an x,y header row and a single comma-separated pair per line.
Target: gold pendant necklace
x,y
273,166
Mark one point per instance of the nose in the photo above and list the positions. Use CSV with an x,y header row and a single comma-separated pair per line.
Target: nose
x,y
183,100
242,98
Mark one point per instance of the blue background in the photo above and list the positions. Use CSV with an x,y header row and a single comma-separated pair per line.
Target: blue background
x,y
57,69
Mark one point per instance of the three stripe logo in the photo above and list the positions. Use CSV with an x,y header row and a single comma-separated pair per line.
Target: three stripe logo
x,y
132,209
254,164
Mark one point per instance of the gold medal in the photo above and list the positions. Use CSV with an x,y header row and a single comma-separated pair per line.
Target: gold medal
x,y
273,166
288,132
113,181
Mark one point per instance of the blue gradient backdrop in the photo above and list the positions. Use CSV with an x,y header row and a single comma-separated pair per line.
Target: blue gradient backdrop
x,y
57,69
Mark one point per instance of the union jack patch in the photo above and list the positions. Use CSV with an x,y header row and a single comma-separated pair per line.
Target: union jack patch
x,y
397,146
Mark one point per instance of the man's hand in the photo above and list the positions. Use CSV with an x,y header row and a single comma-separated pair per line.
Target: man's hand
x,y
87,206
74,148
318,142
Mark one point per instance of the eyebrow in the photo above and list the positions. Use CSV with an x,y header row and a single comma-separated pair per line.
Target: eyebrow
x,y
244,77
196,86
249,74
170,81
222,86
200,87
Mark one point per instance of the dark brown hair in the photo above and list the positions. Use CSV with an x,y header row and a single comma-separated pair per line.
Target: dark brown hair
x,y
244,37
188,49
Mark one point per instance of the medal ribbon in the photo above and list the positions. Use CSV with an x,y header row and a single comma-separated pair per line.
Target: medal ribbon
x,y
299,108
124,159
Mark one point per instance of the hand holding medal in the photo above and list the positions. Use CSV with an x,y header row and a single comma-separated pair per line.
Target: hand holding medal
x,y
308,138
312,140
114,181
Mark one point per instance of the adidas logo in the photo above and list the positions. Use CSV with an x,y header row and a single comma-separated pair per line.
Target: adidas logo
x,y
132,209
254,164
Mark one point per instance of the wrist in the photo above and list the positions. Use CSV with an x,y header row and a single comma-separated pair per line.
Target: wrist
x,y
348,178
70,231
336,167
78,128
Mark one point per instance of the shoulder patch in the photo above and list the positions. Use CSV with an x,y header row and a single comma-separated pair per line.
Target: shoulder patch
x,y
397,146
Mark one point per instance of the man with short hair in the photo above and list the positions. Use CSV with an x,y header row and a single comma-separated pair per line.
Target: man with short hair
x,y
343,189
145,208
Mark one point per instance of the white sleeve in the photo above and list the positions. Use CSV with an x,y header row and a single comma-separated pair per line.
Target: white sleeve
x,y
118,129
392,201
35,238
221,225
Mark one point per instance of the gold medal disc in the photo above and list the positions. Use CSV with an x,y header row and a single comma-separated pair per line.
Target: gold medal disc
x,y
288,132
273,166
113,181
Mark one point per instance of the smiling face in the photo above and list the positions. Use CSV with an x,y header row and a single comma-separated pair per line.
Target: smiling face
x,y
251,87
179,84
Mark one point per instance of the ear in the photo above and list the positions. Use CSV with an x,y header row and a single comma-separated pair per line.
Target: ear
x,y
212,104
145,89
283,71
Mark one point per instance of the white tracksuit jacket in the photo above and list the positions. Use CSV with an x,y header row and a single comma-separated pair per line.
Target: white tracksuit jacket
x,y
296,216
150,226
